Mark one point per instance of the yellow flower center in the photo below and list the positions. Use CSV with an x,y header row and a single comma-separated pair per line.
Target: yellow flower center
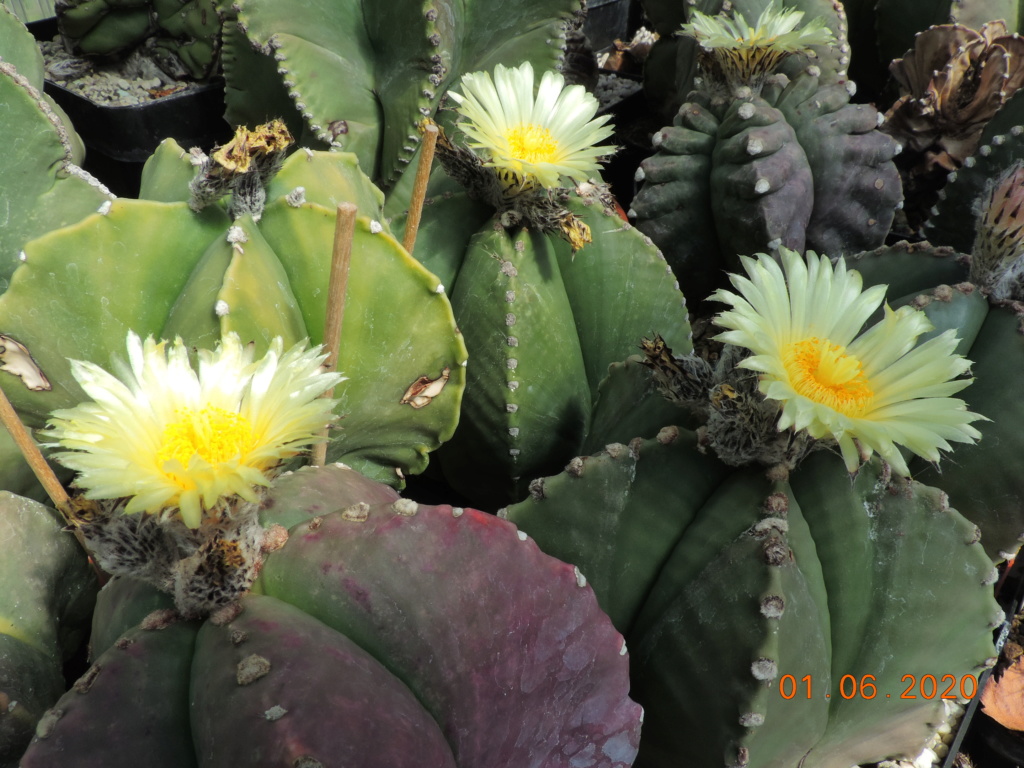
x,y
532,143
825,373
214,434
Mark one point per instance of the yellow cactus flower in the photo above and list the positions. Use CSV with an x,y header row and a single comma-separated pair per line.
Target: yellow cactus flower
x,y
870,392
170,439
531,140
744,54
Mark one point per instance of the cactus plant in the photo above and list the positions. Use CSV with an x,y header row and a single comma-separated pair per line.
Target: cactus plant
x,y
672,70
727,579
260,279
184,34
44,187
359,605
744,169
542,313
44,616
734,581
362,76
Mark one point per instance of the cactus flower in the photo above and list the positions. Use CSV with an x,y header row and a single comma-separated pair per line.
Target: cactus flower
x,y
531,140
745,55
870,392
168,438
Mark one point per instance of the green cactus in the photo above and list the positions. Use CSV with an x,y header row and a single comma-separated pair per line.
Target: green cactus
x,y
44,186
542,327
724,581
184,33
542,313
976,224
362,76
44,189
109,273
44,616
360,606
744,171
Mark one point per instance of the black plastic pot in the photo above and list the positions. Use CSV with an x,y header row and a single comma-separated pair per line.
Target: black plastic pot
x,y
118,140
610,20
129,134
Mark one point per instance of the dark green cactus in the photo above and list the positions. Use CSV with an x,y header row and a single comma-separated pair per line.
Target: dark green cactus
x,y
798,166
362,76
724,581
44,616
360,641
542,325
109,274
976,223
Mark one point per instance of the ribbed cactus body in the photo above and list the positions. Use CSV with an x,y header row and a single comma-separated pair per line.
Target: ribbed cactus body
x,y
387,631
798,166
45,605
542,325
157,267
725,581
362,76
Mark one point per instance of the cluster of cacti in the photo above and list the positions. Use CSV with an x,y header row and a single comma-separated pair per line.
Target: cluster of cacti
x,y
183,35
777,584
382,633
747,168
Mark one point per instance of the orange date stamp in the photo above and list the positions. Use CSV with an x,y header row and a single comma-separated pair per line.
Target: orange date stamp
x,y
964,687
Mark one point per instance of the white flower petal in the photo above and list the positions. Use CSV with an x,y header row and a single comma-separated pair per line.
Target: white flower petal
x,y
877,390
246,416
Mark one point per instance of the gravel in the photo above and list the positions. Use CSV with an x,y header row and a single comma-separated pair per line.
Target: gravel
x,y
136,80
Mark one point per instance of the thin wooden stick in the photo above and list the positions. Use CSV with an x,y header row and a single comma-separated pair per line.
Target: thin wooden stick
x,y
341,257
43,472
419,190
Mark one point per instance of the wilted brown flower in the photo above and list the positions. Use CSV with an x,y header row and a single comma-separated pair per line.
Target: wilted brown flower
x,y
952,83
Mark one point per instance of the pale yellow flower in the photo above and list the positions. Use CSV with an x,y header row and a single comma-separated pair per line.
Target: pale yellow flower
x,y
746,54
169,438
532,139
870,392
